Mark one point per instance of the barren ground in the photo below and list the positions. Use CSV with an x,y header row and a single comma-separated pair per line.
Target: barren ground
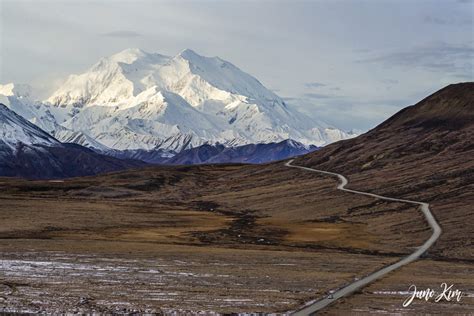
x,y
222,239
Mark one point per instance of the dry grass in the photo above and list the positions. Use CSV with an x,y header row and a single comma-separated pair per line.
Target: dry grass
x,y
252,238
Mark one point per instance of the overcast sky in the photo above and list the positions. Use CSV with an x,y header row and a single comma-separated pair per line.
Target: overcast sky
x,y
351,63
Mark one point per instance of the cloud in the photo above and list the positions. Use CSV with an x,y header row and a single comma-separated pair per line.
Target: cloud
x,y
317,96
451,59
390,81
290,99
314,85
447,20
311,96
464,76
436,20
362,50
351,113
122,34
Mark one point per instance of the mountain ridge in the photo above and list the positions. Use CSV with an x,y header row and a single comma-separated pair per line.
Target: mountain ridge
x,y
123,102
15,129
447,108
28,151
251,153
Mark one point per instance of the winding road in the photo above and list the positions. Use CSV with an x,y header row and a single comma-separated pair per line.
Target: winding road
x,y
317,305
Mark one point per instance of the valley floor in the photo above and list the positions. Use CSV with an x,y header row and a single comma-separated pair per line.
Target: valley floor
x,y
220,239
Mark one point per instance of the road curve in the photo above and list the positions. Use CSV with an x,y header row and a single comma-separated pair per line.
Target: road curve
x,y
351,288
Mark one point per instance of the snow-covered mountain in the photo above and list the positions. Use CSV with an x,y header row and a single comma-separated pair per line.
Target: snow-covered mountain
x,y
135,100
17,97
14,129
251,153
28,151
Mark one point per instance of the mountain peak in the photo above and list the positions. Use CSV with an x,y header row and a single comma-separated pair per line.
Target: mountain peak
x,y
451,107
15,89
195,58
131,55
189,54
119,103
128,55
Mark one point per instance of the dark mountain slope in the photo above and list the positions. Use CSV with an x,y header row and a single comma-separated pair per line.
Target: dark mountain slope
x,y
68,160
252,153
29,152
451,108
424,152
